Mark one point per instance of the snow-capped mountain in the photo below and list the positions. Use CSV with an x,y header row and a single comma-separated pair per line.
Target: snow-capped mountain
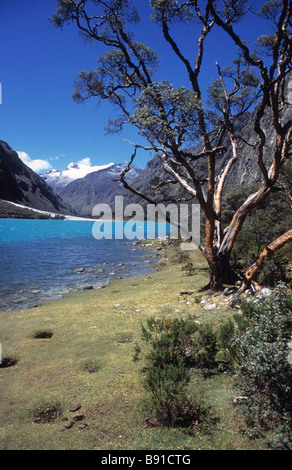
x,y
59,179
98,187
82,186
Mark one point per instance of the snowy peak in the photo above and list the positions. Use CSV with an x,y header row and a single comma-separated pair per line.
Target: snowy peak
x,y
58,179
79,170
82,185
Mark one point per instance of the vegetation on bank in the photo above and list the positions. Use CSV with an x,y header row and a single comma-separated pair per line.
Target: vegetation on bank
x,y
69,379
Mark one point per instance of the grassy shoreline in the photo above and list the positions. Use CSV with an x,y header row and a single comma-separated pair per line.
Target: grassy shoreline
x,y
88,361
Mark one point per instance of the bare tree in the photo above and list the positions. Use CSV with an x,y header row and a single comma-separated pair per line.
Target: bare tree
x,y
172,119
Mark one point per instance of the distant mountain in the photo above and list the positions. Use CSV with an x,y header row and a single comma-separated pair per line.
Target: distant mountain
x,y
19,184
59,179
97,187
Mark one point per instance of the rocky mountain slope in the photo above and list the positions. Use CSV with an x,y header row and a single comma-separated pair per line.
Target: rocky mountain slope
x,y
19,184
96,188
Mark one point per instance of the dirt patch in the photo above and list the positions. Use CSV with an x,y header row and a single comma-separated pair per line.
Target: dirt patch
x,y
8,361
46,412
43,334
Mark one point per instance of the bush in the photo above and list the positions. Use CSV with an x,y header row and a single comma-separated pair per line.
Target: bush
x,y
180,256
46,411
230,329
207,346
189,268
177,339
175,346
91,365
167,386
264,375
225,334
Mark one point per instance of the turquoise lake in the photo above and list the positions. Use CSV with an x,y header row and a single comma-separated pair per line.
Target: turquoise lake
x,y
39,258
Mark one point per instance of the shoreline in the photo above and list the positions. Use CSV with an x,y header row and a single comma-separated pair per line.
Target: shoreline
x,y
144,245
25,212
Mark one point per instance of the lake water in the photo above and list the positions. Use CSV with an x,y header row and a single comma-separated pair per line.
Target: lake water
x,y
39,259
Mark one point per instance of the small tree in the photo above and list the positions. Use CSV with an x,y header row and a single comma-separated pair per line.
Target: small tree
x,y
170,119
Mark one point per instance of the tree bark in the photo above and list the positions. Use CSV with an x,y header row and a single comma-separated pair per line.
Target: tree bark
x,y
252,272
221,272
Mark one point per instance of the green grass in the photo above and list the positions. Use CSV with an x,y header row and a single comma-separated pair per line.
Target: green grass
x,y
89,360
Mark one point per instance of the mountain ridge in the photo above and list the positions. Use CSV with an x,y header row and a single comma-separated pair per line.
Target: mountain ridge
x,y
19,184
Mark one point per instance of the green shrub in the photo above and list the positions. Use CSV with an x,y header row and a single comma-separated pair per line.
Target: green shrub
x,y
180,256
189,268
175,345
230,329
167,386
226,332
90,365
46,411
176,339
264,375
206,346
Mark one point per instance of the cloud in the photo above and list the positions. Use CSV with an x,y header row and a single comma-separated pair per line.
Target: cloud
x,y
36,164
85,161
52,159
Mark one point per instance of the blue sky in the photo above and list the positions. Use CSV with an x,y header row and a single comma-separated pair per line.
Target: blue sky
x,y
39,64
